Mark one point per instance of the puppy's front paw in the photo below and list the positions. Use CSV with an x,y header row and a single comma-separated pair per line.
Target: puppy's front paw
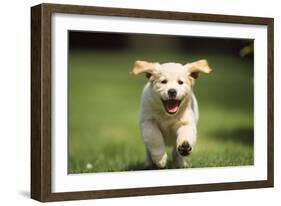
x,y
184,149
160,162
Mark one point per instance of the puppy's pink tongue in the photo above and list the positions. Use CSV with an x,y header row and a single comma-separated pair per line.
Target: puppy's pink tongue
x,y
172,106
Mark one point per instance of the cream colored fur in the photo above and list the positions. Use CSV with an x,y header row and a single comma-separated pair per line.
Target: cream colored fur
x,y
160,128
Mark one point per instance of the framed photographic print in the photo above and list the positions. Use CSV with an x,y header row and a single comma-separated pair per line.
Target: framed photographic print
x,y
128,102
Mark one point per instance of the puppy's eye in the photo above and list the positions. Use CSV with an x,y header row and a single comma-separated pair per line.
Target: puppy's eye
x,y
180,82
164,81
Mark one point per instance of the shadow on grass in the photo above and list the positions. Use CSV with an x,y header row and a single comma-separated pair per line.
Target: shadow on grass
x,y
136,166
141,166
240,135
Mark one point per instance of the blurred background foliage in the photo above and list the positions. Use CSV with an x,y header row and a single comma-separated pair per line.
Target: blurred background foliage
x,y
104,99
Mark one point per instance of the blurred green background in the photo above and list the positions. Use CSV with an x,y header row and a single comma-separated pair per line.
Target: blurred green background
x,y
104,99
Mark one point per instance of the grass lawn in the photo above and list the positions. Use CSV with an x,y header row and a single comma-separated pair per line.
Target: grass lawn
x,y
103,109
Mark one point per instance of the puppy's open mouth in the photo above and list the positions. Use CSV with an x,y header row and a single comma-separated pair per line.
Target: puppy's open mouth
x,y
171,105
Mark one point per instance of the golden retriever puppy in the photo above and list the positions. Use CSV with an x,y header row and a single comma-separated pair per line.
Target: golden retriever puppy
x,y
169,110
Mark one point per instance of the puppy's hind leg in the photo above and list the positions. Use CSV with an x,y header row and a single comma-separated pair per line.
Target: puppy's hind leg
x,y
180,161
154,142
148,163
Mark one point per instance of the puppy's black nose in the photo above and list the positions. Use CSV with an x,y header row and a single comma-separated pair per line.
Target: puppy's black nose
x,y
172,93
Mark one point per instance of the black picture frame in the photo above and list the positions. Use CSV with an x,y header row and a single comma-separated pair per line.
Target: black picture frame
x,y
41,117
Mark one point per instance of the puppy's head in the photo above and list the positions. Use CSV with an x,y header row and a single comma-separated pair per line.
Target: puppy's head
x,y
171,82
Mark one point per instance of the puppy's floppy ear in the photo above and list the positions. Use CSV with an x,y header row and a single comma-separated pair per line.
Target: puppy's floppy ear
x,y
198,66
143,67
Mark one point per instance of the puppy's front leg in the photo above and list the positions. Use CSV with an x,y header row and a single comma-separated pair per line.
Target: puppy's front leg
x,y
186,139
154,142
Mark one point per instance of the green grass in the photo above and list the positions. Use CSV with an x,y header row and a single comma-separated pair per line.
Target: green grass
x,y
104,105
